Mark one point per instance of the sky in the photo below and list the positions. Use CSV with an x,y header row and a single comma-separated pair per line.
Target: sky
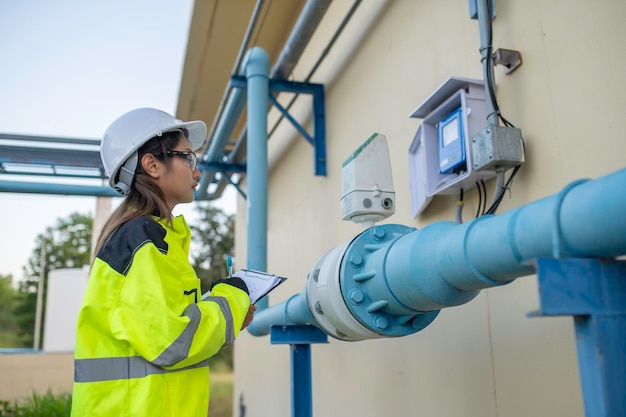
x,y
69,68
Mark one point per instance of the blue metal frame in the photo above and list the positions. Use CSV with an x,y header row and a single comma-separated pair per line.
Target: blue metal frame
x,y
300,338
318,139
594,292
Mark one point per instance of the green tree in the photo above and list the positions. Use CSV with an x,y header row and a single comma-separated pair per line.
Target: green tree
x,y
65,245
214,236
8,324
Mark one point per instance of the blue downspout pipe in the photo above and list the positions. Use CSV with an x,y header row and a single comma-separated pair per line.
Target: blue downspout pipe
x,y
257,74
393,279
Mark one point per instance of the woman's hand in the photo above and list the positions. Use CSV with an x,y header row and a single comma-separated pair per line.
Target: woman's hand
x,y
249,316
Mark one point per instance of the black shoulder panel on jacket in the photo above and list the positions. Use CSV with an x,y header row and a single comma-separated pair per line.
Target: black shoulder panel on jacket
x,y
119,250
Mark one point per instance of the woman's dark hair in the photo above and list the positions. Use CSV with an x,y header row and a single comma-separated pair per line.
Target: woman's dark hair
x,y
145,197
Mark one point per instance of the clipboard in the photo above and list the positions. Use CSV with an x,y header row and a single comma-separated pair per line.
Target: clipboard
x,y
259,283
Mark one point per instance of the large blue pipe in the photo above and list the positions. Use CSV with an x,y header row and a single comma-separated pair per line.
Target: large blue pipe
x,y
257,75
392,280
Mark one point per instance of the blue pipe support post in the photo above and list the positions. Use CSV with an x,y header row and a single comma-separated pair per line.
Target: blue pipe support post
x,y
257,74
593,291
299,338
394,279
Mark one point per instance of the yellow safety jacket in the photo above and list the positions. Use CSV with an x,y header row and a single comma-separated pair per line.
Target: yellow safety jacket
x,y
144,334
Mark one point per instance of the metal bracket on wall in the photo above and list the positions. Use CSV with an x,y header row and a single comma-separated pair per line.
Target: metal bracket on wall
x,y
318,139
509,58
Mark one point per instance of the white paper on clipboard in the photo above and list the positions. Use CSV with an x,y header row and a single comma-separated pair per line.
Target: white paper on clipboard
x,y
259,283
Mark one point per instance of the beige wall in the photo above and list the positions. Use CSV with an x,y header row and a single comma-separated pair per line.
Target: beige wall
x,y
23,374
485,358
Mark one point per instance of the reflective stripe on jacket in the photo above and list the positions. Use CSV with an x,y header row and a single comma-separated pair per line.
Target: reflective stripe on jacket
x,y
143,335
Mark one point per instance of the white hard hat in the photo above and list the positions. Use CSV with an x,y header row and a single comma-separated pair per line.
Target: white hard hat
x,y
129,132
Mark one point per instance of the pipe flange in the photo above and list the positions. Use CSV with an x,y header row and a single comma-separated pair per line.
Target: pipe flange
x,y
365,289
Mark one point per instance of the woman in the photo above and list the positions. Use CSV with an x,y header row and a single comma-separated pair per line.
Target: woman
x,y
144,334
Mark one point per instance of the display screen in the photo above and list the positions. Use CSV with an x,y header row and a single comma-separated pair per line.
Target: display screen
x,y
451,131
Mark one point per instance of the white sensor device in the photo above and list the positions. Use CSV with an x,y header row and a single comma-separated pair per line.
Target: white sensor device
x,y
367,194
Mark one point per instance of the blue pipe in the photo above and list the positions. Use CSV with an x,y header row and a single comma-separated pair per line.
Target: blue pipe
x,y
312,13
223,132
234,107
257,74
60,189
392,280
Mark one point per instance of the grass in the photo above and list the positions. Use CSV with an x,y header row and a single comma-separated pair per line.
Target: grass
x,y
38,405
221,401
60,405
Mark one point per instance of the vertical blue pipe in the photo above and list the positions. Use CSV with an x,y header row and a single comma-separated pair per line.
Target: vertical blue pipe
x,y
257,74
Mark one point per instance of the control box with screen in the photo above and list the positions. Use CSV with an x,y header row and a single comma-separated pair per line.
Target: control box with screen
x,y
451,143
442,156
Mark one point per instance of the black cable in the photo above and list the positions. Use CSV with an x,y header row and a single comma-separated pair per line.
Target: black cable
x,y
488,63
459,208
491,87
480,199
502,191
484,189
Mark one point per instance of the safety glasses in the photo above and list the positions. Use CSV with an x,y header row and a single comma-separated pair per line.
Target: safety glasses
x,y
190,157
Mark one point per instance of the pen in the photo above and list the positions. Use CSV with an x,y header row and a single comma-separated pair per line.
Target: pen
x,y
229,266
